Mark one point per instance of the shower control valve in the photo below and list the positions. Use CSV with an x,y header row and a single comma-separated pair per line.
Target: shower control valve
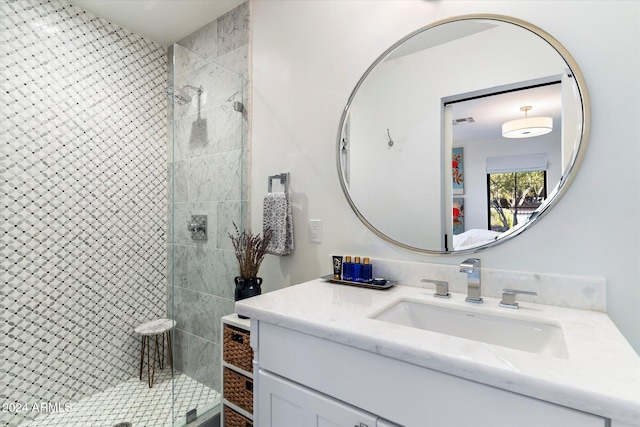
x,y
198,227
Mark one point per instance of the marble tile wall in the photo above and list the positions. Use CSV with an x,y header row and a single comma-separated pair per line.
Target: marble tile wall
x,y
207,175
84,194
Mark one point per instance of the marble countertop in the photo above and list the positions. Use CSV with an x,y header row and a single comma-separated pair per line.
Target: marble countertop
x,y
600,376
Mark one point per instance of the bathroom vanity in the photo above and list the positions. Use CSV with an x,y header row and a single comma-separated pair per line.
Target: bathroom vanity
x,y
326,352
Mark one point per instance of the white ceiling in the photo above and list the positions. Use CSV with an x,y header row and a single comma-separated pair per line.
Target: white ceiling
x,y
163,21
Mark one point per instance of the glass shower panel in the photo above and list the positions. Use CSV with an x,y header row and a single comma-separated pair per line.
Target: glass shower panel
x,y
207,155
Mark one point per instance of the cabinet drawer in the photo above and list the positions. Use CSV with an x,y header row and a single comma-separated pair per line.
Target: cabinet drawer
x,y
238,389
235,419
237,349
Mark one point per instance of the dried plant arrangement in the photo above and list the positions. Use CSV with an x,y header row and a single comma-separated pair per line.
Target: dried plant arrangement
x,y
250,250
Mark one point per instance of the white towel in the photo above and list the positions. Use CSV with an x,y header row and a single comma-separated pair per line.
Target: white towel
x,y
276,214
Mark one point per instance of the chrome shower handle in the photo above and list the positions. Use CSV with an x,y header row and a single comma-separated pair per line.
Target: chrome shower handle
x,y
198,227
195,227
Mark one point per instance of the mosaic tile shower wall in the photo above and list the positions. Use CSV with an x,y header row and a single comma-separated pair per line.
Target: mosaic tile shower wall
x,y
208,139
84,198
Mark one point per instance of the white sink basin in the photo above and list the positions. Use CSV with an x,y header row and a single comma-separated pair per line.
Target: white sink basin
x,y
540,337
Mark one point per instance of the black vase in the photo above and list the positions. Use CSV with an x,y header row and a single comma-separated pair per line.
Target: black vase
x,y
247,288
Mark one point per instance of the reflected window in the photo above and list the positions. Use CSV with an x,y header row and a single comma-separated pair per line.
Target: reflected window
x,y
513,197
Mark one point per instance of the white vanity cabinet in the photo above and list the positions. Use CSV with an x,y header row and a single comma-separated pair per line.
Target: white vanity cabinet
x,y
303,380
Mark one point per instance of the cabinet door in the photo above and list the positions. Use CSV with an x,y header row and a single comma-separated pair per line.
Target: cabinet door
x,y
284,403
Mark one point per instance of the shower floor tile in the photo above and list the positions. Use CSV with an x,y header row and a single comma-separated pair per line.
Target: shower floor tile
x,y
134,402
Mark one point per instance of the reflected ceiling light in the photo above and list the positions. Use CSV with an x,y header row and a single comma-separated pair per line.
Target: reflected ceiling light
x,y
527,127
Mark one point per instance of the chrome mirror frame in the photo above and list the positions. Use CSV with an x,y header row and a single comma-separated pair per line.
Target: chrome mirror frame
x,y
580,145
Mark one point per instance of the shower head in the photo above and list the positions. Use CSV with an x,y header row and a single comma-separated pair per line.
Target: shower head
x,y
178,95
181,95
197,89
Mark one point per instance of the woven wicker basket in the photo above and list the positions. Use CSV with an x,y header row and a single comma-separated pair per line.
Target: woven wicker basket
x,y
234,419
238,389
237,350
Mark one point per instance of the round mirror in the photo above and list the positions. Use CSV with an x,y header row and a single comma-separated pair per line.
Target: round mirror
x,y
463,134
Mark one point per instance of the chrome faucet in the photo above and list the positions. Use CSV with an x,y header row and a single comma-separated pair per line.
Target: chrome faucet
x,y
471,266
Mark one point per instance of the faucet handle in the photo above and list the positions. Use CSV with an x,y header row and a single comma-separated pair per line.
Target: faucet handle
x,y
442,288
509,297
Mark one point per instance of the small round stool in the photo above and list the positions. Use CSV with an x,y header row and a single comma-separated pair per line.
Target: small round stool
x,y
155,328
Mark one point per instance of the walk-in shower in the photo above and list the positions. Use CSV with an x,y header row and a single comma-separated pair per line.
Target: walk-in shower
x,y
199,288
98,135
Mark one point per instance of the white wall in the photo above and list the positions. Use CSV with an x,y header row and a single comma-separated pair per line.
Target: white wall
x,y
308,55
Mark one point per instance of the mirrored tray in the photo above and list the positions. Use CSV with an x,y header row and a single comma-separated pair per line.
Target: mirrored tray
x,y
330,278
